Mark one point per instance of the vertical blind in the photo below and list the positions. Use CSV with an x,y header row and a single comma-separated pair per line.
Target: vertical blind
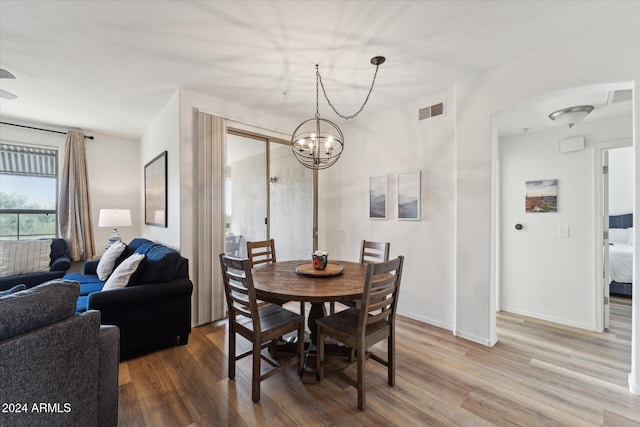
x,y
19,160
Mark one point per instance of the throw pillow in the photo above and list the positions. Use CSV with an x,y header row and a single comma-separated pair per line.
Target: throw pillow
x,y
121,275
16,288
24,256
108,260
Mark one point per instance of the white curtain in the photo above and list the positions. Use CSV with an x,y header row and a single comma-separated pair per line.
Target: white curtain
x,y
209,295
74,210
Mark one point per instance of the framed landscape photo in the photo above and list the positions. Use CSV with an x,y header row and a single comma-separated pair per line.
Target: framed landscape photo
x,y
378,197
541,196
409,196
155,191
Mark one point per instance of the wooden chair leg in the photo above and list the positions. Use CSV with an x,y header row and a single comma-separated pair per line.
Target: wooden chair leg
x,y
320,354
361,378
302,308
301,348
232,353
391,358
255,376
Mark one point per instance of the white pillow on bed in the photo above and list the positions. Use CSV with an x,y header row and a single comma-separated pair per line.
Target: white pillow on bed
x,y
618,235
630,231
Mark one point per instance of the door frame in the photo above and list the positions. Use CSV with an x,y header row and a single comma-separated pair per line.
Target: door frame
x,y
599,149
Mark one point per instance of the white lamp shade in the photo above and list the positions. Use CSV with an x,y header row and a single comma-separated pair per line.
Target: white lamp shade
x,y
114,218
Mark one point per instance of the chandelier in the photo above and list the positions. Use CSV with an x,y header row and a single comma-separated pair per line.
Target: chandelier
x,y
318,143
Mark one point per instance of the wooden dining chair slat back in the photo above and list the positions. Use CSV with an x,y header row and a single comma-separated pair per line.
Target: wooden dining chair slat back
x,y
263,252
239,292
361,328
369,252
374,251
260,324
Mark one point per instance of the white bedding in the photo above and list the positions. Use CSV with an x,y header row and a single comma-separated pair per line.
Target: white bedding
x,y
620,262
621,254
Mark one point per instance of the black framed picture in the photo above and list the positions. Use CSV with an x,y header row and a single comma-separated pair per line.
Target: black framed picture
x,y
155,191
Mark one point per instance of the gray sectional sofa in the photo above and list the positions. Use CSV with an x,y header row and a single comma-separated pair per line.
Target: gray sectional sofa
x,y
56,368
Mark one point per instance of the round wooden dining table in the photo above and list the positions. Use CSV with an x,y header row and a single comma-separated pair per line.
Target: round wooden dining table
x,y
279,281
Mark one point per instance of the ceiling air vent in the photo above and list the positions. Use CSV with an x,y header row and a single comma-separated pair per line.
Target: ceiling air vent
x,y
620,96
434,110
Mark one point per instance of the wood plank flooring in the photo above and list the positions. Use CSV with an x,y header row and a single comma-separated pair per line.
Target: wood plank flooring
x,y
539,374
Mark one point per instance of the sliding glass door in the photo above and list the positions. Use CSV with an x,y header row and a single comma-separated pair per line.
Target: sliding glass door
x,y
291,203
268,194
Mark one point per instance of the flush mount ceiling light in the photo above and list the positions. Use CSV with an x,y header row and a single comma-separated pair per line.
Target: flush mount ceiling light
x,y
317,143
572,115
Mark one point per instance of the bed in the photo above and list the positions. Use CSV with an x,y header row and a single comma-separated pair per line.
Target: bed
x,y
621,254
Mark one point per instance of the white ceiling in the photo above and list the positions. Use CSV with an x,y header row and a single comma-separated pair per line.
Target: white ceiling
x,y
110,66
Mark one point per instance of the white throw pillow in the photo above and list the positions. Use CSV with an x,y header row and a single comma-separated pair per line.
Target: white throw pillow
x,y
120,276
24,256
108,260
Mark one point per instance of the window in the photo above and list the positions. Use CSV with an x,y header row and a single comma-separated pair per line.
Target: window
x,y
28,192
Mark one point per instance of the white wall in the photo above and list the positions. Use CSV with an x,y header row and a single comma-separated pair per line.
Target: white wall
x,y
113,172
164,135
385,144
543,275
620,181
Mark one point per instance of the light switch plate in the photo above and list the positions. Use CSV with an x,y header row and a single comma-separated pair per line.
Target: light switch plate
x,y
563,231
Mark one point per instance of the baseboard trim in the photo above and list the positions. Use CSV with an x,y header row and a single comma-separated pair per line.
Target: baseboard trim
x,y
634,387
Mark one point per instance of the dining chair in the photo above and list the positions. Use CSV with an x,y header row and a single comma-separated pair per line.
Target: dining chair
x,y
263,252
374,251
361,328
258,324
369,252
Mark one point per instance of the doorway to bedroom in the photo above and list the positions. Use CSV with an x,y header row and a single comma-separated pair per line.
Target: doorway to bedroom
x,y
614,173
549,262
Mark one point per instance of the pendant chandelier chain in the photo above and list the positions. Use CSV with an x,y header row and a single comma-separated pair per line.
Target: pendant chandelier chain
x,y
318,93
319,79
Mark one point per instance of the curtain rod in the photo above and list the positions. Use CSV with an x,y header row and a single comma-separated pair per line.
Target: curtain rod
x,y
44,130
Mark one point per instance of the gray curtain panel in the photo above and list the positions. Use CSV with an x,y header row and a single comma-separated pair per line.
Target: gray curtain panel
x,y
74,210
209,297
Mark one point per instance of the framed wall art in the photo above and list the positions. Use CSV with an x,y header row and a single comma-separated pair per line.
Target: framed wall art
x,y
378,197
155,191
542,196
409,196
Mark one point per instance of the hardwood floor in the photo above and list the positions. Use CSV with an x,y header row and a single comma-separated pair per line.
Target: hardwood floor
x,y
539,373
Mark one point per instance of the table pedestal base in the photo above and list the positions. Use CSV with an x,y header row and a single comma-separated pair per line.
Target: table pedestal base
x,y
290,344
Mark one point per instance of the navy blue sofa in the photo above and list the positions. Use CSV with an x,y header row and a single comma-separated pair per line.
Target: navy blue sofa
x,y
154,309
59,265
